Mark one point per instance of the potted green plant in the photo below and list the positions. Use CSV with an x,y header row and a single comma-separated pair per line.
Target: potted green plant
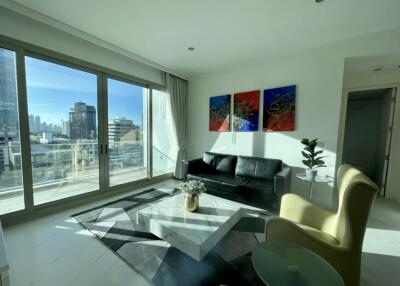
x,y
192,190
312,159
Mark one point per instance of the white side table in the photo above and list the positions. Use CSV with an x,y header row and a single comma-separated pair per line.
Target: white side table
x,y
317,179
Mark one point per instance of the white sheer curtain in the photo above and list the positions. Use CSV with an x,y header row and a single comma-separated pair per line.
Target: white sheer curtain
x,y
177,90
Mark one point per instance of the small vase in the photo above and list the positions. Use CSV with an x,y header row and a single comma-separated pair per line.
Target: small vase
x,y
311,174
191,202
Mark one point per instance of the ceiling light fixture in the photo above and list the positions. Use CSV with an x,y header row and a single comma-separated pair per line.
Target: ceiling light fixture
x,y
191,49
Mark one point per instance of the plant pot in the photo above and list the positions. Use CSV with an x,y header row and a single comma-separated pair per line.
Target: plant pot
x,y
191,203
311,174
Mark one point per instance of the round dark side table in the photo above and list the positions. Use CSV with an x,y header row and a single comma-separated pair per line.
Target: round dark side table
x,y
280,263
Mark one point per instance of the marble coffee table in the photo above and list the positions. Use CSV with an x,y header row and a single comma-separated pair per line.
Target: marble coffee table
x,y
192,233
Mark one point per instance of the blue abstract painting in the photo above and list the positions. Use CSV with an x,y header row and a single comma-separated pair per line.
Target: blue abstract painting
x,y
220,109
279,109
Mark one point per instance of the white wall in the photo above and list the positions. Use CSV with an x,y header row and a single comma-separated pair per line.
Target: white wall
x,y
318,75
315,102
373,80
25,29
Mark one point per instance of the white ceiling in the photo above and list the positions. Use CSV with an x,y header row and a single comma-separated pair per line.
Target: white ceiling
x,y
363,67
224,32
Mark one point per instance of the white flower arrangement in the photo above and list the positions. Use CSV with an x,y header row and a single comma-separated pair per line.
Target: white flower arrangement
x,y
193,187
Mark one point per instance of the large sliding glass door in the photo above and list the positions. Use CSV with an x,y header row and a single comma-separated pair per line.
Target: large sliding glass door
x,y
68,128
11,183
127,132
62,106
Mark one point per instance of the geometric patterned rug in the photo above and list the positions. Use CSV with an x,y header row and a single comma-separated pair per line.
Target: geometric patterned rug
x,y
229,263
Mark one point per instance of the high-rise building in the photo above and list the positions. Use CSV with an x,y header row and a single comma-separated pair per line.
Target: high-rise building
x,y
38,124
120,128
8,105
82,121
32,125
65,128
8,94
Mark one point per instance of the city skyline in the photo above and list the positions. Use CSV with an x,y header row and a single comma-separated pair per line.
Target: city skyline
x,y
37,126
53,89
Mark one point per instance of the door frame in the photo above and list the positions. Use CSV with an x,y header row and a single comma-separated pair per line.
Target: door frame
x,y
343,114
105,119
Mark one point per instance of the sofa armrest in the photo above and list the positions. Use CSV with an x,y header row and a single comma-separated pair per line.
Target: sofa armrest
x,y
282,182
192,166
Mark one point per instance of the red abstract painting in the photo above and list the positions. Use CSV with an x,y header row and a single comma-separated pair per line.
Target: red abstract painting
x,y
246,111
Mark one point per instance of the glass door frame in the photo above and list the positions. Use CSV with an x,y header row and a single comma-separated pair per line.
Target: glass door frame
x,y
23,49
26,53
23,126
105,142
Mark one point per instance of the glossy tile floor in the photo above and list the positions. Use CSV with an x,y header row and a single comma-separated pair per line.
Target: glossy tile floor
x,y
55,250
381,250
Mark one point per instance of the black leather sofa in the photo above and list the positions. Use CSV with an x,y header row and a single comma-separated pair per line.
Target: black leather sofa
x,y
259,182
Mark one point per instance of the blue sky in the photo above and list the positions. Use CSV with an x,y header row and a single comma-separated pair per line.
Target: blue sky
x,y
53,89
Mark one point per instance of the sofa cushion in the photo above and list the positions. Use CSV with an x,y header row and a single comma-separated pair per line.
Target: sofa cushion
x,y
258,185
205,179
221,162
257,191
224,182
261,168
227,165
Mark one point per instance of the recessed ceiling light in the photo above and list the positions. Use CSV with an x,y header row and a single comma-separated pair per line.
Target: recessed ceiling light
x,y
191,48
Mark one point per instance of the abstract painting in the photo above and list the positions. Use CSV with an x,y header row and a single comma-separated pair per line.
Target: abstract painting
x,y
279,109
246,110
220,109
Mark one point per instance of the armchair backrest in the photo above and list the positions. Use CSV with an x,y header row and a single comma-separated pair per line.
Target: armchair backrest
x,y
356,194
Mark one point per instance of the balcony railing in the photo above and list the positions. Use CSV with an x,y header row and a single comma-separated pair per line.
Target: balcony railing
x,y
65,164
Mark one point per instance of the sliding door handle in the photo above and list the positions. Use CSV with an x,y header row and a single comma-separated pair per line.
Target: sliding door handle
x,y
101,149
106,149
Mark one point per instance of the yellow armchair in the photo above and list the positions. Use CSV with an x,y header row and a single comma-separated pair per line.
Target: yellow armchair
x,y
336,236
